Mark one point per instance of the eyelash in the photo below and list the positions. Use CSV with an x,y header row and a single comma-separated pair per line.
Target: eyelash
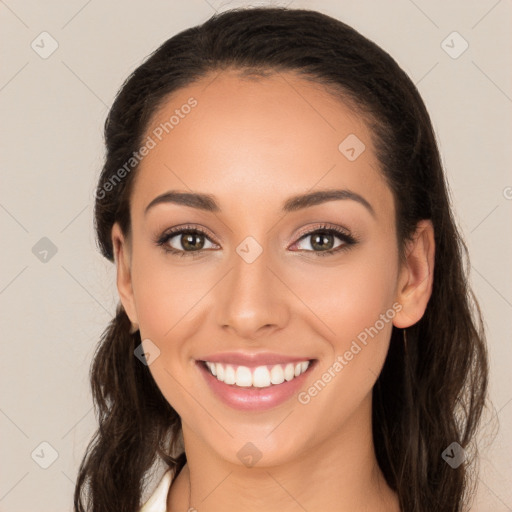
x,y
348,240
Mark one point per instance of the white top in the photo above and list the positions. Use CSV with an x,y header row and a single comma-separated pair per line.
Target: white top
x,y
157,502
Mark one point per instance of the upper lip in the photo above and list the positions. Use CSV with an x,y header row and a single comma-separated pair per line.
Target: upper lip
x,y
257,359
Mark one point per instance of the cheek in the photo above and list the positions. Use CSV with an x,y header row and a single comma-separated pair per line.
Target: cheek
x,y
351,296
168,303
355,301
166,293
349,299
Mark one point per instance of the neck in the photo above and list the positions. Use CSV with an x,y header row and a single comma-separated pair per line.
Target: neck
x,y
341,473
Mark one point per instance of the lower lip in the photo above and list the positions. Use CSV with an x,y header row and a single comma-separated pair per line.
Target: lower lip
x,y
251,398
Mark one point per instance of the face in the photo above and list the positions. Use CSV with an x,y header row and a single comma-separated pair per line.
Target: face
x,y
291,302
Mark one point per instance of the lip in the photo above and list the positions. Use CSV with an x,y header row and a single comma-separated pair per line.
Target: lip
x,y
252,360
251,398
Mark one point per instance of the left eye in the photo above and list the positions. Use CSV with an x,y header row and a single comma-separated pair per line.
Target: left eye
x,y
321,240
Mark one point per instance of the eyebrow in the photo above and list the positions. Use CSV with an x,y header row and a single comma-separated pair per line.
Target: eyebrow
x,y
208,203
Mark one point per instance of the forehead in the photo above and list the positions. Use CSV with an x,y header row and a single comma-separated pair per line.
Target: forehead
x,y
257,140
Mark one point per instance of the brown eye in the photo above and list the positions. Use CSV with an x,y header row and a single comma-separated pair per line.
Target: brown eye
x,y
184,240
191,241
323,241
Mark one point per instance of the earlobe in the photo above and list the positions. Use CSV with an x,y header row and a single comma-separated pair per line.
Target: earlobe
x,y
416,276
124,279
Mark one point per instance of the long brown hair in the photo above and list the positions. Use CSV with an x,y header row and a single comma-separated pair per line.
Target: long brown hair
x,y
427,397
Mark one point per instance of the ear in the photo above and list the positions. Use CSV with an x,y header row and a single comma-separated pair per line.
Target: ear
x,y
416,276
122,255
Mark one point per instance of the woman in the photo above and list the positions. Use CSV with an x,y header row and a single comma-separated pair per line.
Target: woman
x,y
296,329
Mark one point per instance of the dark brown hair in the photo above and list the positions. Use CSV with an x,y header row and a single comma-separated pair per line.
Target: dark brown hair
x,y
424,399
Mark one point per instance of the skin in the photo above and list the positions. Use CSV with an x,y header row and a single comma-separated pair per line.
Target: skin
x,y
252,144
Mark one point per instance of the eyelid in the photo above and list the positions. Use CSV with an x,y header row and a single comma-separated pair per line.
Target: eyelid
x,y
175,230
321,227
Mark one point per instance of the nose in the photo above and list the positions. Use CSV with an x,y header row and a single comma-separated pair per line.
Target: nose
x,y
252,300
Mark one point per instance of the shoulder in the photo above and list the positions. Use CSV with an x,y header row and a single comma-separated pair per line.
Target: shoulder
x,y
157,502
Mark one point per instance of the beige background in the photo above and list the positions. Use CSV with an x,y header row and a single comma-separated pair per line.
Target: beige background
x,y
52,112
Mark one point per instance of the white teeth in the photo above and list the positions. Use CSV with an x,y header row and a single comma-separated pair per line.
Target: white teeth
x,y
289,372
220,372
229,375
259,377
212,368
277,374
243,377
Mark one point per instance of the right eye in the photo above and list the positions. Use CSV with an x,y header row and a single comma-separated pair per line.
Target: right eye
x,y
183,240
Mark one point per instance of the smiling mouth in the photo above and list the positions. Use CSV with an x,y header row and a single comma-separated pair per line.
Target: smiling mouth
x,y
258,377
